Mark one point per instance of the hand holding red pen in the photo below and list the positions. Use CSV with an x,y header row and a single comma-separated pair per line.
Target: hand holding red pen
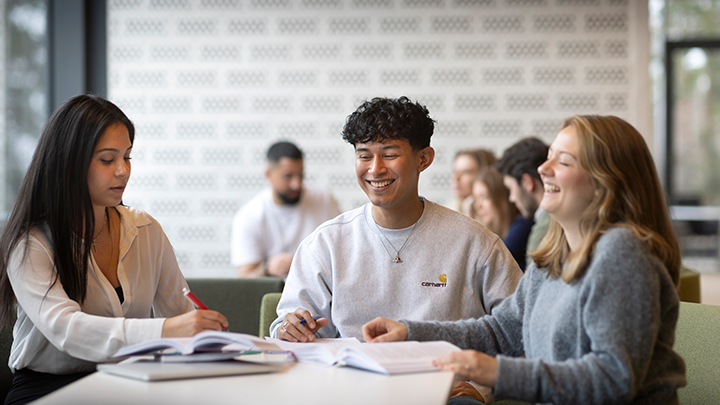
x,y
190,323
196,301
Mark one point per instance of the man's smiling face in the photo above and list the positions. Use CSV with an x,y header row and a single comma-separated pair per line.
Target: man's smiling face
x,y
388,171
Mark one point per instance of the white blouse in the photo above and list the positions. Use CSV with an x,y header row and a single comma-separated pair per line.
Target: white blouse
x,y
54,334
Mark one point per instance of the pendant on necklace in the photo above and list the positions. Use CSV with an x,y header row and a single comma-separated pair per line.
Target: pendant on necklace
x,y
397,259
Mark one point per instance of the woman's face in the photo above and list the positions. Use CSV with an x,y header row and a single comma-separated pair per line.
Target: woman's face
x,y
568,187
464,171
486,211
110,167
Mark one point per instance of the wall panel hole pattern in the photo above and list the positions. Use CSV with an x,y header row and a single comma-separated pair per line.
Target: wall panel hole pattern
x,y
210,84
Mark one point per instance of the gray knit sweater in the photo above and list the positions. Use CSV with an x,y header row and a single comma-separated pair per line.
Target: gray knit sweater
x,y
604,339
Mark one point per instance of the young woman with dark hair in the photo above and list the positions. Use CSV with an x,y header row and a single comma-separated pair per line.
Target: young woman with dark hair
x,y
80,271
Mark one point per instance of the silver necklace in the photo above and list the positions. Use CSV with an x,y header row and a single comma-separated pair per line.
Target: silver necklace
x,y
94,242
397,258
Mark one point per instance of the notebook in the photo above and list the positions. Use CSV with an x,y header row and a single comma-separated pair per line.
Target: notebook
x,y
150,370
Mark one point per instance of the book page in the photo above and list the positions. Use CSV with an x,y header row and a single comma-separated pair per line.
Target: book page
x,y
404,351
179,344
320,351
203,341
396,357
325,342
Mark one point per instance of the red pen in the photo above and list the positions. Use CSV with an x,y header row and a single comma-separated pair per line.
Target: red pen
x,y
196,301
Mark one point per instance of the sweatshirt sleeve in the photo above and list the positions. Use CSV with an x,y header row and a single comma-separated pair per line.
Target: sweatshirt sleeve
x,y
500,332
500,276
308,286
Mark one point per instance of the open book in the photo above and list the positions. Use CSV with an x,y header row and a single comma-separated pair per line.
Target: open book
x,y
385,358
201,342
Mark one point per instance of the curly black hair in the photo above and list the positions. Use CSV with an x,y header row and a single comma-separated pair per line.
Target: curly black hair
x,y
381,119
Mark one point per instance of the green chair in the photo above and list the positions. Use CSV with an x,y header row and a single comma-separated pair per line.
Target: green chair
x,y
689,288
268,312
697,340
6,376
237,298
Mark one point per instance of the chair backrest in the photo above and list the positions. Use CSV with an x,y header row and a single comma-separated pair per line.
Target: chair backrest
x,y
237,298
689,288
6,376
268,312
697,340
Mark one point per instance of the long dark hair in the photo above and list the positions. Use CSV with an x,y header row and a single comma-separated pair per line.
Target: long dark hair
x,y
55,193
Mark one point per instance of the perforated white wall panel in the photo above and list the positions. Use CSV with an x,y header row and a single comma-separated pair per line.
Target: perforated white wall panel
x,y
211,83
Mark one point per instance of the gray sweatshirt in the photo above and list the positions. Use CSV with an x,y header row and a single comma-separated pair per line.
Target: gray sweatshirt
x,y
604,339
452,268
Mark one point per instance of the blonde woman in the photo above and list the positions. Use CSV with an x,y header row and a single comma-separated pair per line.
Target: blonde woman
x,y
595,314
466,166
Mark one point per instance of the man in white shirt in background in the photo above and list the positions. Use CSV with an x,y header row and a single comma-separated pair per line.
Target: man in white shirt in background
x,y
268,229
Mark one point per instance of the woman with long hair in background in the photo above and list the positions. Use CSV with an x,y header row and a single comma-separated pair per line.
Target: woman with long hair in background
x,y
494,209
466,166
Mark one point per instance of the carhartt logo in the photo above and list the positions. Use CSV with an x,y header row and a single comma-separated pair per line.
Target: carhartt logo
x,y
442,283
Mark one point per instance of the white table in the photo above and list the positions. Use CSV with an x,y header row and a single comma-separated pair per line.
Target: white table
x,y
296,384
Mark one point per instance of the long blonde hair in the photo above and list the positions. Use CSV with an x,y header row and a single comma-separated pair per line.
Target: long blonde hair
x,y
628,194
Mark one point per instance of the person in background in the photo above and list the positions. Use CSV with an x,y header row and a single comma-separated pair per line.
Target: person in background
x,y
80,271
466,166
490,199
595,314
400,254
268,229
518,165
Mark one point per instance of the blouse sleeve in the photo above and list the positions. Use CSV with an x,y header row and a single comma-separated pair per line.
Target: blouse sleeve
x,y
61,319
169,299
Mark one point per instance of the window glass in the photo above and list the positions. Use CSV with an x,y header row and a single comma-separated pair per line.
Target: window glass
x,y
696,132
689,19
25,75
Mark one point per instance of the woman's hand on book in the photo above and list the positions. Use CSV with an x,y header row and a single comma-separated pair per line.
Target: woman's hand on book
x,y
470,365
384,330
299,326
190,323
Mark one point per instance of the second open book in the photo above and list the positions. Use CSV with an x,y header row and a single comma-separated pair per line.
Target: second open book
x,y
385,358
